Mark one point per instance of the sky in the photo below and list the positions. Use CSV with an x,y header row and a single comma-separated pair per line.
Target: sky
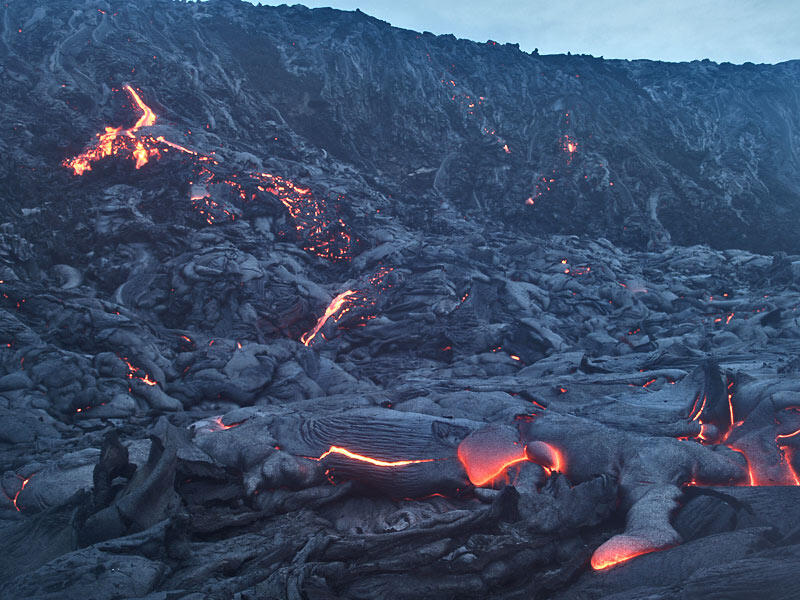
x,y
735,31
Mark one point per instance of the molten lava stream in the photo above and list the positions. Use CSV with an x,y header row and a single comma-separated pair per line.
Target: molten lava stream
x,y
605,560
116,139
373,461
339,303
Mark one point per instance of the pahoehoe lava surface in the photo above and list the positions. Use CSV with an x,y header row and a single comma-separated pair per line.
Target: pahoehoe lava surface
x,y
294,304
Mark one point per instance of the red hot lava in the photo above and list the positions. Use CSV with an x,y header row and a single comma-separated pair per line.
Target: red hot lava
x,y
137,373
349,300
118,141
622,551
486,455
15,499
323,232
373,461
218,425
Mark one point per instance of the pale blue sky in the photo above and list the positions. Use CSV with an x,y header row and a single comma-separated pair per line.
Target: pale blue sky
x,y
674,30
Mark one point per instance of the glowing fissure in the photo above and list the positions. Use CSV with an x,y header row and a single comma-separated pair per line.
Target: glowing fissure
x,y
373,461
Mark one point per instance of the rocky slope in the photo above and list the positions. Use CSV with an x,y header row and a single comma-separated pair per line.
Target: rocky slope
x,y
699,152
288,309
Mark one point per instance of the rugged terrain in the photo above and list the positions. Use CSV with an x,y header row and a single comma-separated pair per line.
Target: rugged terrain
x,y
299,305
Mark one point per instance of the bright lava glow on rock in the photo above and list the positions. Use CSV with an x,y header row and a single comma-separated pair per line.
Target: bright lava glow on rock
x,y
619,553
373,461
339,303
324,233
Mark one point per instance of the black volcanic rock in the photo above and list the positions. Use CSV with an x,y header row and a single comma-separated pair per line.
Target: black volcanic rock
x,y
294,304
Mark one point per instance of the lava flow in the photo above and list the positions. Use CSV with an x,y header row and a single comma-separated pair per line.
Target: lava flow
x,y
349,300
336,309
620,553
765,466
218,425
373,461
135,373
117,141
487,454
323,233
15,499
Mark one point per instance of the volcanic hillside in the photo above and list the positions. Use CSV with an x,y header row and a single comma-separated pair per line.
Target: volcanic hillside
x,y
295,304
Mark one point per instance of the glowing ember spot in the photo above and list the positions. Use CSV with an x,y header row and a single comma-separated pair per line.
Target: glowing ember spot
x,y
506,148
372,461
334,307
570,146
649,383
514,357
728,320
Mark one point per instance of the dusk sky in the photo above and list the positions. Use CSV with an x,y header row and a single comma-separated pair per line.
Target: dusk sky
x,y
675,30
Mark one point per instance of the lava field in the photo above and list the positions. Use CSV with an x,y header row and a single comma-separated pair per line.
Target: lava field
x,y
294,304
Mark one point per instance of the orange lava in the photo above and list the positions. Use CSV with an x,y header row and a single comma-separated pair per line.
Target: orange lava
x,y
336,309
351,299
325,235
546,456
134,373
117,140
19,491
372,461
606,560
220,426
483,468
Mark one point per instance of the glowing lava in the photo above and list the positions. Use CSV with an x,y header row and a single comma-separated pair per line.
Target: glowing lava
x,y
323,233
485,465
339,303
118,141
220,426
618,550
546,456
373,461
135,373
14,500
349,300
